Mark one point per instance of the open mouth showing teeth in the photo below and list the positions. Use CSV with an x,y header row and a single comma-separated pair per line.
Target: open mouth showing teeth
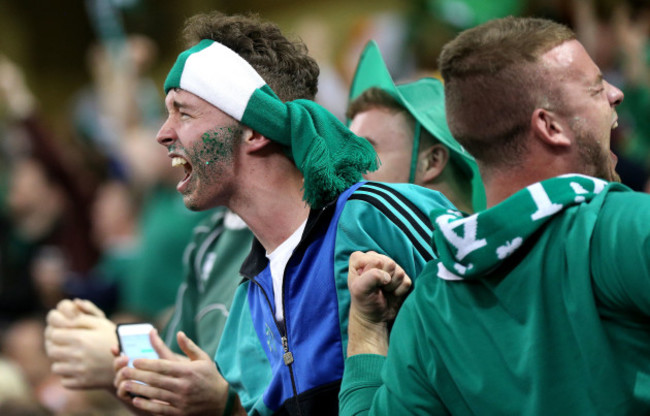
x,y
179,161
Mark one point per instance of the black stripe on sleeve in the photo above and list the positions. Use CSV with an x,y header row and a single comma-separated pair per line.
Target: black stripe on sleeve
x,y
425,233
417,211
400,224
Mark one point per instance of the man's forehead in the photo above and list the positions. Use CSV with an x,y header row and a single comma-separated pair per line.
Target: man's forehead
x,y
178,97
563,55
570,60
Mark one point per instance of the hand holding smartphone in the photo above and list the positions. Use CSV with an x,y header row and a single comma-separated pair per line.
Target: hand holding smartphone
x,y
134,341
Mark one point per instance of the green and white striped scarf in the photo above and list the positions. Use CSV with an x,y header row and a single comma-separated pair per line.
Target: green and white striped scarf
x,y
469,247
329,155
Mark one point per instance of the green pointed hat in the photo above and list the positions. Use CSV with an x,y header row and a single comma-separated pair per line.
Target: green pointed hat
x,y
425,101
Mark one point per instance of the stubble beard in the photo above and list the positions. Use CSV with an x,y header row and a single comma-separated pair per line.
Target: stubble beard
x,y
211,159
595,161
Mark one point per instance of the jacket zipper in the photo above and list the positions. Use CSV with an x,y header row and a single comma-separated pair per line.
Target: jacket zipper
x,y
287,355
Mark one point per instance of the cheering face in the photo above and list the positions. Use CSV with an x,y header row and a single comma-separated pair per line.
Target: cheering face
x,y
392,137
202,140
588,105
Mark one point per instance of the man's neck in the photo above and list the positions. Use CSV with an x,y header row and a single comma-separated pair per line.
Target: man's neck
x,y
458,192
501,184
272,207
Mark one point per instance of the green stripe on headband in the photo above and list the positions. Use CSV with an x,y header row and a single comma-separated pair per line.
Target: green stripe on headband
x,y
174,77
329,155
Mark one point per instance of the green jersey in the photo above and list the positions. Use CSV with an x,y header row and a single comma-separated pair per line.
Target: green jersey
x,y
537,306
211,263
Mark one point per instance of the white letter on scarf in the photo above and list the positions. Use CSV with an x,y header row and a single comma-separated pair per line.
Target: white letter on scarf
x,y
468,242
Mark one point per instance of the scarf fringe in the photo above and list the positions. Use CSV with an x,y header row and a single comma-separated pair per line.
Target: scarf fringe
x,y
330,170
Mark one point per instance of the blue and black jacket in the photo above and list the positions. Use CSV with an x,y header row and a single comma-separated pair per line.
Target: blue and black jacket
x,y
295,366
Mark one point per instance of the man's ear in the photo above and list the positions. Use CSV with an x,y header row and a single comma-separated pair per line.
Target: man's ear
x,y
254,141
550,128
432,162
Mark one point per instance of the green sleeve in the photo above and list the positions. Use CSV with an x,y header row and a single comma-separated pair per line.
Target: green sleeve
x,y
388,219
396,385
182,318
361,379
187,297
241,359
620,254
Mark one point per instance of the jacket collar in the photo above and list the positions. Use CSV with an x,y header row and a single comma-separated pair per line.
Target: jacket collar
x,y
256,260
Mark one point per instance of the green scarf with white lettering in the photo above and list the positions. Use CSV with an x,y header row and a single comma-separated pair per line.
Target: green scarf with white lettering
x,y
471,246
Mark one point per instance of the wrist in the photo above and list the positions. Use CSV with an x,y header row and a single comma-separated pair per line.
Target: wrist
x,y
366,336
231,399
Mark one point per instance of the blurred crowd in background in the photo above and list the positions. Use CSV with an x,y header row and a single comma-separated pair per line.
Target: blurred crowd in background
x,y
88,206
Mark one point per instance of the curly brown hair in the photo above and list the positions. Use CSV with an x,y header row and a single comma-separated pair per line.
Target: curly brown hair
x,y
283,64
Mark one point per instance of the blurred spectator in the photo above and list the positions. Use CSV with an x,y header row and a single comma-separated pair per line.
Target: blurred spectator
x,y
115,231
432,23
45,239
28,385
24,345
16,394
13,385
617,35
18,407
120,98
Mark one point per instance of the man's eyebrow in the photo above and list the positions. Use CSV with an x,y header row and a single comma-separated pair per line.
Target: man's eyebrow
x,y
178,105
599,79
597,82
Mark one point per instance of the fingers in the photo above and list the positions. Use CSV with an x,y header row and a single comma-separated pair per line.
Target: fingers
x,y
119,363
59,319
161,374
68,308
155,407
161,348
361,262
58,353
193,351
115,350
89,308
65,369
66,336
369,282
399,283
93,322
370,271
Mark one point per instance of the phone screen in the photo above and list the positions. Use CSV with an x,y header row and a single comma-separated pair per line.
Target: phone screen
x,y
134,341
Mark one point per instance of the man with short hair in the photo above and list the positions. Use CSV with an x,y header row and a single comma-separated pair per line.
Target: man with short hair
x,y
538,305
406,126
291,171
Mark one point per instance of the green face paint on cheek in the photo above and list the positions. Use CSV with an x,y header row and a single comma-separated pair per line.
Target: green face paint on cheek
x,y
213,152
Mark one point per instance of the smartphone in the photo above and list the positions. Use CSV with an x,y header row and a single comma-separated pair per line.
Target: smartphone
x,y
134,341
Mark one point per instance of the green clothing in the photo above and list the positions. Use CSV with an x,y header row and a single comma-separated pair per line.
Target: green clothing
x,y
165,229
274,365
211,262
558,326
